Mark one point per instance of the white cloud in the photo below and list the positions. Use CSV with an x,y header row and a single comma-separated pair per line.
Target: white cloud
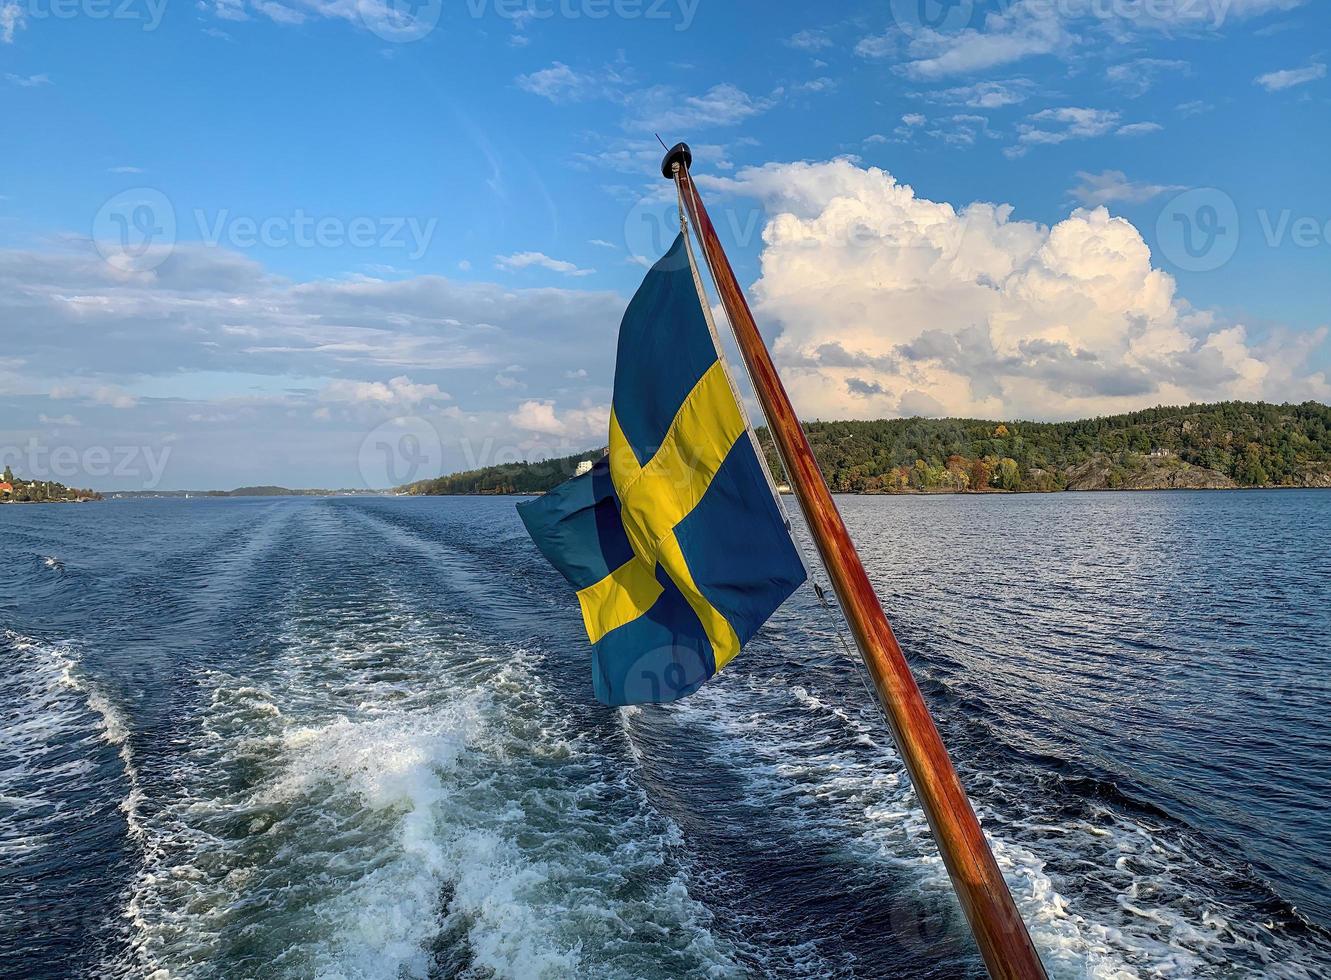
x,y
399,391
914,119
809,41
65,420
527,260
590,422
537,416
877,45
602,243
663,108
277,12
1276,81
1137,76
1194,108
1024,29
823,84
560,83
109,395
124,170
1113,186
1138,129
11,19
887,303
1067,123
985,95
212,310
28,81
1021,31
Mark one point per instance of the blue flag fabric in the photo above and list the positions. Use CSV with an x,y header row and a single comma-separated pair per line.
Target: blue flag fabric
x,y
675,546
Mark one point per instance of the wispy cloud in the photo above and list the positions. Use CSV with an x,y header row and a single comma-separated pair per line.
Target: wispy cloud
x,y
1067,123
809,41
560,83
1138,76
110,395
985,95
11,19
663,108
1113,186
1022,31
1275,81
396,391
823,84
28,81
1138,129
539,260
656,107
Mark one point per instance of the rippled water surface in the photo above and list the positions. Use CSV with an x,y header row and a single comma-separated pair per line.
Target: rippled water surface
x,y
355,738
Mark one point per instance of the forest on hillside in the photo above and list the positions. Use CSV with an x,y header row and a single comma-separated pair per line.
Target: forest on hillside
x,y
1215,446
535,477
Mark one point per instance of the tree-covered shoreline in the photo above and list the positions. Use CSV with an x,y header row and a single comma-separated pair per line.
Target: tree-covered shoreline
x,y
17,491
1216,446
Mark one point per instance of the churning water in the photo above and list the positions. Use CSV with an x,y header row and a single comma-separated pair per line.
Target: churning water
x,y
355,738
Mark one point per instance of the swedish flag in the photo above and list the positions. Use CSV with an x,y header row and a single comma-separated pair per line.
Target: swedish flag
x,y
673,541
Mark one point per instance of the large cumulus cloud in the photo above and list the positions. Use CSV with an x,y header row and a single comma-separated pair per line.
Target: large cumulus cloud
x,y
886,303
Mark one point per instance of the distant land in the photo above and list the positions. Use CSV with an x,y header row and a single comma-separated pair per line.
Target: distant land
x,y
1220,446
17,491
264,491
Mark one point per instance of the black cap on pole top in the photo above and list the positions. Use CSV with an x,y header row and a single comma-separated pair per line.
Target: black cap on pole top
x,y
677,154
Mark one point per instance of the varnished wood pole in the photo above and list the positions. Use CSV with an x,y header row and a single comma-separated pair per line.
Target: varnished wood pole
x,y
995,922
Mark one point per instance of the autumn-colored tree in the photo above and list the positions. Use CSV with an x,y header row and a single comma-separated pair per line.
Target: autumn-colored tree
x,y
981,475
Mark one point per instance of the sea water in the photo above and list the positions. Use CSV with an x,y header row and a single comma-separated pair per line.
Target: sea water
x,y
343,737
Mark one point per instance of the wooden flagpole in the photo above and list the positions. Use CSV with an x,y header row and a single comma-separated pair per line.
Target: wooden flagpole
x,y
995,922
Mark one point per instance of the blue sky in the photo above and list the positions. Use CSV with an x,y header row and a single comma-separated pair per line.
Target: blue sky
x,y
365,222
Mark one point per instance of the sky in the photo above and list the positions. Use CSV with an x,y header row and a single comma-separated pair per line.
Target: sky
x,y
352,243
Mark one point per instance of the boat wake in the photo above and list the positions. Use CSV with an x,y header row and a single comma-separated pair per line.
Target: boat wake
x,y
391,800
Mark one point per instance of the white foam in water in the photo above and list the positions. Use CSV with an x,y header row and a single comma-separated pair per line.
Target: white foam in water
x,y
410,797
789,745
51,700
